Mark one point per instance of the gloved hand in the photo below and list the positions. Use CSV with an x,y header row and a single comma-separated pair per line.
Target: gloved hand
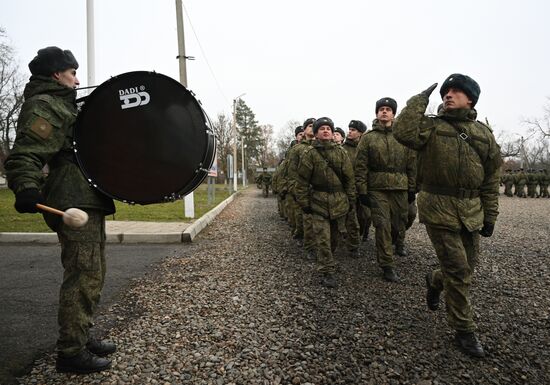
x,y
26,200
307,210
411,196
428,91
364,199
487,229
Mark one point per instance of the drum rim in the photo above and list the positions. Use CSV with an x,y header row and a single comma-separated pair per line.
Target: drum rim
x,y
201,172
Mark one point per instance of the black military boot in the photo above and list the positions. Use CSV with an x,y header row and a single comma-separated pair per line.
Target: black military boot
x,y
389,274
400,250
354,254
329,280
101,347
432,295
469,344
83,363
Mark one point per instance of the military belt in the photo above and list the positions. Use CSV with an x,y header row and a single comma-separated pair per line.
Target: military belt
x,y
328,189
457,192
391,170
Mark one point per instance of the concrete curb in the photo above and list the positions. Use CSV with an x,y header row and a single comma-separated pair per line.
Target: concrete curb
x,y
173,237
196,227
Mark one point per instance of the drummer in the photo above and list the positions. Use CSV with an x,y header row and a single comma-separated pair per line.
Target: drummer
x,y
44,136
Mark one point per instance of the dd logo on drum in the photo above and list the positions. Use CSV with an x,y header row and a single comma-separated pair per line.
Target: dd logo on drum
x,y
133,97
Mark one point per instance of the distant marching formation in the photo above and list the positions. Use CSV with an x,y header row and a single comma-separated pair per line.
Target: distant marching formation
x,y
445,167
515,181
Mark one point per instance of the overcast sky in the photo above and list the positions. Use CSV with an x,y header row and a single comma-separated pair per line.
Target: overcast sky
x,y
298,59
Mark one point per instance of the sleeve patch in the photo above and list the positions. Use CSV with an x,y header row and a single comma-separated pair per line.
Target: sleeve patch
x,y
41,127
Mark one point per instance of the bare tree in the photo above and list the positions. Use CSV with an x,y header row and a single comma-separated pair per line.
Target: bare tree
x,y
224,140
536,153
11,96
509,147
267,155
285,137
540,125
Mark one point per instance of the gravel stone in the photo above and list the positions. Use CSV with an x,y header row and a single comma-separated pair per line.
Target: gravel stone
x,y
242,305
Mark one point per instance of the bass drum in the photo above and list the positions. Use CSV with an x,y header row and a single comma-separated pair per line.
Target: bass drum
x,y
142,137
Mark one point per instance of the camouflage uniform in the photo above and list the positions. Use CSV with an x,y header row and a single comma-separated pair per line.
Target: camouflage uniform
x,y
266,182
355,229
532,182
521,181
304,227
544,181
459,194
45,136
328,191
386,171
275,189
508,180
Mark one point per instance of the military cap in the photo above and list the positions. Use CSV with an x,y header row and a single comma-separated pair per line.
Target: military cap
x,y
308,122
464,83
323,122
358,125
52,59
297,130
338,129
386,102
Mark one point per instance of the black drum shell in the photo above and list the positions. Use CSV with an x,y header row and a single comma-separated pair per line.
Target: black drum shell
x,y
142,137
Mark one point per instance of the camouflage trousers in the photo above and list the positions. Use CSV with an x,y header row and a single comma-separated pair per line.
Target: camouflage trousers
x,y
266,190
532,191
280,207
411,214
458,254
326,232
389,217
298,222
544,191
290,211
508,189
83,260
520,191
309,235
353,240
364,219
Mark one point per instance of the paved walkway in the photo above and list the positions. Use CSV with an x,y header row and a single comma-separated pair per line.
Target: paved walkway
x,y
134,232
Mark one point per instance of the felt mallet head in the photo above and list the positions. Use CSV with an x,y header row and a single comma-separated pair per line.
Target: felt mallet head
x,y
74,217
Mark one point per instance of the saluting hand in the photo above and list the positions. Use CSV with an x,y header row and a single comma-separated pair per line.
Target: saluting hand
x,y
428,91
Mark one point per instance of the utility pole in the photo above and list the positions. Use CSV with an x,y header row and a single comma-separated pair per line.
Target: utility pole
x,y
244,166
235,142
90,41
234,145
188,201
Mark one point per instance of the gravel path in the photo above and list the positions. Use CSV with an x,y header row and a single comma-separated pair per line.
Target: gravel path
x,y
242,306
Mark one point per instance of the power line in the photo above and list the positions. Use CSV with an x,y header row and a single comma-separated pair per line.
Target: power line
x,y
204,55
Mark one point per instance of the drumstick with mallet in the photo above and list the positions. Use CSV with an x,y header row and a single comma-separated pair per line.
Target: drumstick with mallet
x,y
72,217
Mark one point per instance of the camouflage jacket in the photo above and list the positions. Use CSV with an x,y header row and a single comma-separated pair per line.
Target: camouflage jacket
x,y
544,179
294,156
520,179
266,178
350,146
533,179
325,180
45,136
507,179
450,163
382,163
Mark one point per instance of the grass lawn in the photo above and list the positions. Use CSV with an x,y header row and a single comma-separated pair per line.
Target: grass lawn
x,y
12,221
